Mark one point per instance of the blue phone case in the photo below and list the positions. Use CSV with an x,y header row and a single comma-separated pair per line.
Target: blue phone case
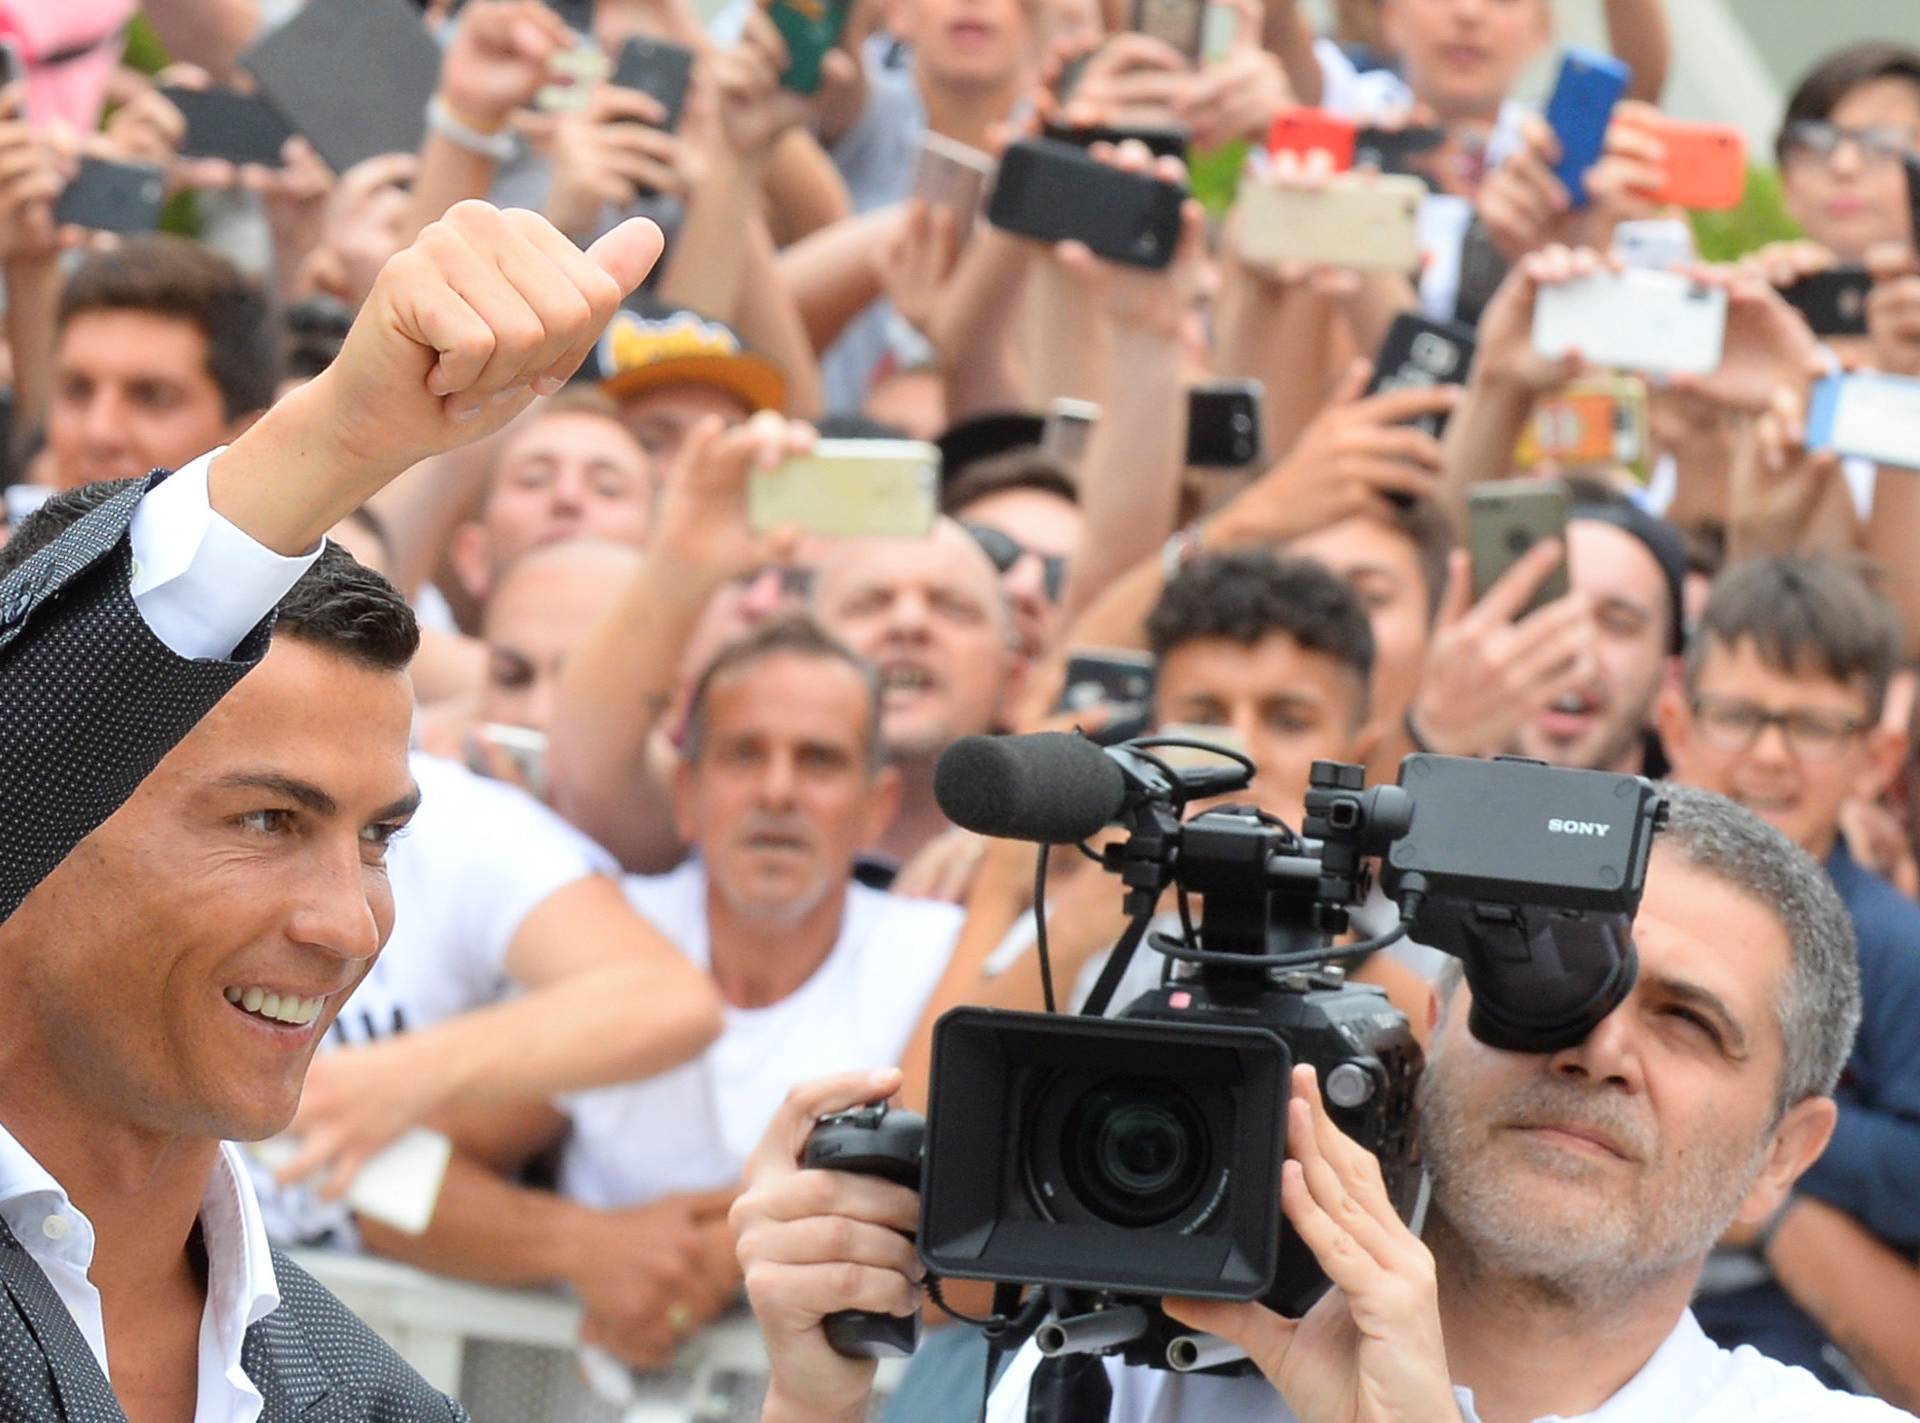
x,y
1590,84
1821,410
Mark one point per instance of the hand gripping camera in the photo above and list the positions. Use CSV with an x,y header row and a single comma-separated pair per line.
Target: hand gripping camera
x,y
1111,1161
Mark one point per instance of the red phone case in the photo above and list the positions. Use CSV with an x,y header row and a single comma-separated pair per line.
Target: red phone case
x,y
1706,166
1301,131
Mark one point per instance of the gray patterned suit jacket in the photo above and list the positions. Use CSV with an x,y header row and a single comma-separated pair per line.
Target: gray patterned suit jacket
x,y
90,701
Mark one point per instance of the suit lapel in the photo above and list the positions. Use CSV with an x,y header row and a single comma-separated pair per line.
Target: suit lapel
x,y
83,1390
280,1360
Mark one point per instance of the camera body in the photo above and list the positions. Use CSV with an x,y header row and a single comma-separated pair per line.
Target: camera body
x,y
1114,1161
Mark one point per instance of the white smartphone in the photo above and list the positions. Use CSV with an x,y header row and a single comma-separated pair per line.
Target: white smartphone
x,y
1365,221
1069,425
399,1186
1636,320
851,489
1870,416
1661,243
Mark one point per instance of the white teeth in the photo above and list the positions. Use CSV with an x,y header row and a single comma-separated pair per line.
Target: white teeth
x,y
281,1008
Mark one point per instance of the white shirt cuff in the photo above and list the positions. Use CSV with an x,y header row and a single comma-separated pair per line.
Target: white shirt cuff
x,y
200,583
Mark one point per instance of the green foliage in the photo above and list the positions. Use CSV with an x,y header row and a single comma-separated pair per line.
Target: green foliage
x,y
1215,176
1761,218
144,50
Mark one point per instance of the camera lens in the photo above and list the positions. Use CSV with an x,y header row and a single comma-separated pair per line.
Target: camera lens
x,y
1136,1151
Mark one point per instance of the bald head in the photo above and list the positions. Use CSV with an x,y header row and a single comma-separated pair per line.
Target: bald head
x,y
930,615
546,602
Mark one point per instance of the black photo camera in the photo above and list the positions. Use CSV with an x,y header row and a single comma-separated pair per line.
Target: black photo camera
x,y
1112,1161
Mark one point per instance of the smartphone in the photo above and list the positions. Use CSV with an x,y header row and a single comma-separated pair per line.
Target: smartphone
x,y
1834,302
1706,165
577,13
1636,320
1053,191
1301,131
1868,416
1219,28
1590,84
1393,150
659,70
1160,142
11,69
1482,269
1359,220
524,749
1597,422
810,28
1117,679
851,489
1223,424
1181,24
1911,164
952,175
1068,428
352,76
224,123
1419,352
1070,73
1661,243
1506,518
113,197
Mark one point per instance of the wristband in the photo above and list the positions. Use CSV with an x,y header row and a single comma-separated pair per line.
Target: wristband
x,y
500,147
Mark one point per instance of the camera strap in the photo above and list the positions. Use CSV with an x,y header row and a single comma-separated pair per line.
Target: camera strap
x,y
1116,968
1070,1388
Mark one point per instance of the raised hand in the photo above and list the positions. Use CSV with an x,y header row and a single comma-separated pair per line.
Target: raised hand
x,y
608,154
498,60
1370,1351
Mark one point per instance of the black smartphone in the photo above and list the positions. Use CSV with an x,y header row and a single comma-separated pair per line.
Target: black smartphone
x,y
304,67
1053,191
11,69
1420,352
224,123
1114,678
1160,142
1223,424
1911,163
1070,74
659,70
1834,302
1393,150
577,13
113,197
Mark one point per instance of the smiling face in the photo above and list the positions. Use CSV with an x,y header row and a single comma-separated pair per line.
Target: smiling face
x,y
159,977
929,615
1618,1162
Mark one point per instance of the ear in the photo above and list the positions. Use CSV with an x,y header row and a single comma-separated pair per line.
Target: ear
x,y
1886,753
1797,1143
470,556
1673,720
684,799
883,803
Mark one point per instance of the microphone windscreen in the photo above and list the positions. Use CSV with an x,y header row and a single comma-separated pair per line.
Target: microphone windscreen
x,y
1051,786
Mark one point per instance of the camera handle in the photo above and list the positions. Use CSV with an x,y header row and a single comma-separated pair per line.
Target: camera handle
x,y
870,1141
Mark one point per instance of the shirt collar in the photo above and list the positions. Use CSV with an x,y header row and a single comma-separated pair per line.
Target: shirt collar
x,y
30,1197
1666,1386
242,1289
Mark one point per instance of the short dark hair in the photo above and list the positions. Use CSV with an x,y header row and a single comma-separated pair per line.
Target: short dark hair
x,y
338,604
1250,594
1838,75
170,276
794,636
1806,615
1028,468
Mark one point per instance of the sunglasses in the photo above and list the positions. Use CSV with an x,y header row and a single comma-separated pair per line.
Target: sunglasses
x,y
1003,551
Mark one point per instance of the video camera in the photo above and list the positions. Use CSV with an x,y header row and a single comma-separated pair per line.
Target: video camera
x,y
1112,1161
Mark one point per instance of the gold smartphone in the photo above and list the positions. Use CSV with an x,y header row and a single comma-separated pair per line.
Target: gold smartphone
x,y
1366,221
851,489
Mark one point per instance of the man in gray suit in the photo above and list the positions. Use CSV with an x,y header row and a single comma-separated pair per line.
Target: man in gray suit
x,y
176,940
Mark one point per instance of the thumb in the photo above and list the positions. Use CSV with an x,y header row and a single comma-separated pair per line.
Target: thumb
x,y
628,253
1263,1334
1353,383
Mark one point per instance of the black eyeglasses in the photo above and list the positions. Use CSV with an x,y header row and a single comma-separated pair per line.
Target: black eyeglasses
x,y
796,580
1819,139
1004,551
1812,735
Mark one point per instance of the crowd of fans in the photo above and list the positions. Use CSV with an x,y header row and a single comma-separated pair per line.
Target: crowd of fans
x,y
679,847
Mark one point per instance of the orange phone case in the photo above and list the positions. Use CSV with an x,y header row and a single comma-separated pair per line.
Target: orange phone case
x,y
1301,130
1706,165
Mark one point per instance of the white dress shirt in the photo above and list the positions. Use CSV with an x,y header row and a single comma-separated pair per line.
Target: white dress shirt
x,y
200,583
241,1288
1689,1379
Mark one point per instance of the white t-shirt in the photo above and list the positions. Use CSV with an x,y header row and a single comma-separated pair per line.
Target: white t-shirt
x,y
1689,1379
692,1129
478,857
